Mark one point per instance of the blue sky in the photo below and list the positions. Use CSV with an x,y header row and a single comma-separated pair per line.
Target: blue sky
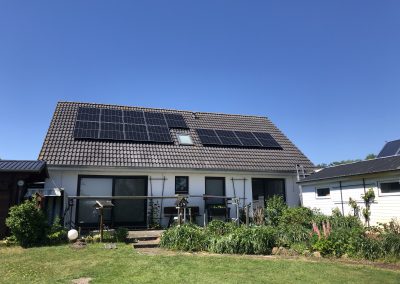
x,y
327,73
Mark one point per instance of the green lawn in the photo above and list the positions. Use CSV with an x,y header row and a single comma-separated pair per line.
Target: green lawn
x,y
124,265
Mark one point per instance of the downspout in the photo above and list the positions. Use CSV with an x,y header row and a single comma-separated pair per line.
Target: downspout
x,y
365,191
341,196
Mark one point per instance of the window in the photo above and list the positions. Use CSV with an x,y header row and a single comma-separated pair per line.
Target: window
x,y
323,192
265,188
390,187
184,139
181,185
215,186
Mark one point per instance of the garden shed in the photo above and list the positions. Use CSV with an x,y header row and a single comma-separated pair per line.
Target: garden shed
x,y
17,179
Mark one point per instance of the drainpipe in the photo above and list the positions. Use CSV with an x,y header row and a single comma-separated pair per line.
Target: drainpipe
x,y
341,196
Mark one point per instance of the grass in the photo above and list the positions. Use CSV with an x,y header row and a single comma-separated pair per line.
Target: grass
x,y
61,264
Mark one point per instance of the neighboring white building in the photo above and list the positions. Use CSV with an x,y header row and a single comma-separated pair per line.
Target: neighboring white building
x,y
113,151
332,187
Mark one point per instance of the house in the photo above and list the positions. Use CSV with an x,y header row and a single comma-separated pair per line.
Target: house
x,y
142,158
17,179
332,187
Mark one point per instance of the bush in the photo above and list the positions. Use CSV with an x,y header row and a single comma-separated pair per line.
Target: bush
x,y
121,234
57,233
274,208
255,240
289,235
27,224
187,237
369,248
302,216
391,238
218,228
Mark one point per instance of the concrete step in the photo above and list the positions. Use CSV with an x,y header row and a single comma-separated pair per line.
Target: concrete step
x,y
147,244
145,235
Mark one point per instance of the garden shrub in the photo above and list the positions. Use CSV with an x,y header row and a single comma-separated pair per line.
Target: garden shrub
x,y
121,234
218,228
391,238
57,233
289,235
244,240
301,216
274,208
27,224
187,237
369,248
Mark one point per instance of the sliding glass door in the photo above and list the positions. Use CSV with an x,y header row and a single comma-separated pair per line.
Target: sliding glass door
x,y
130,212
126,212
265,188
87,214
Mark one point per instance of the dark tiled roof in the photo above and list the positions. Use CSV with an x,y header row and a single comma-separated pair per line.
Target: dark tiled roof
x,y
391,148
358,168
21,166
60,147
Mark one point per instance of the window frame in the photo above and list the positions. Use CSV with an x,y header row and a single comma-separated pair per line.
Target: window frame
x,y
178,135
187,185
329,196
388,193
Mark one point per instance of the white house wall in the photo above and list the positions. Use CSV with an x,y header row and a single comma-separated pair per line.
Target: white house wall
x,y
67,179
383,209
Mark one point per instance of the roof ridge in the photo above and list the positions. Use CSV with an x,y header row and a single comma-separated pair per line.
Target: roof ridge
x,y
2,160
168,109
363,161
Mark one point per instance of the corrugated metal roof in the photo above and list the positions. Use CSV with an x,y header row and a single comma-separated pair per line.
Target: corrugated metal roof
x,y
21,166
358,168
62,149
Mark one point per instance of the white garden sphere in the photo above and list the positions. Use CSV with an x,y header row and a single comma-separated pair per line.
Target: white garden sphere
x,y
72,235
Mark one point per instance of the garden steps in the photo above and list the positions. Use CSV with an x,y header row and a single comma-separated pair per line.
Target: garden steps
x,y
146,239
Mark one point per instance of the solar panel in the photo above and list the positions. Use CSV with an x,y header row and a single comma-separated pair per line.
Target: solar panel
x,y
208,137
134,132
228,138
88,114
112,131
155,118
134,117
267,140
86,130
159,133
175,120
111,115
390,149
247,139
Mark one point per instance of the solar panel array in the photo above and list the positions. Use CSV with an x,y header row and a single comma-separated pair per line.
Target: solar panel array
x,y
126,125
213,137
391,148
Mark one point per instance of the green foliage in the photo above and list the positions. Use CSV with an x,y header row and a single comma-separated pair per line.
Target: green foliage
x,y
293,228
121,234
391,239
275,206
187,237
369,248
57,233
244,240
289,235
218,228
27,224
369,195
302,216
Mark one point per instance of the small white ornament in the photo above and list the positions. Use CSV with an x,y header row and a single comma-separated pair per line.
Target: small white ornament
x,y
72,235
